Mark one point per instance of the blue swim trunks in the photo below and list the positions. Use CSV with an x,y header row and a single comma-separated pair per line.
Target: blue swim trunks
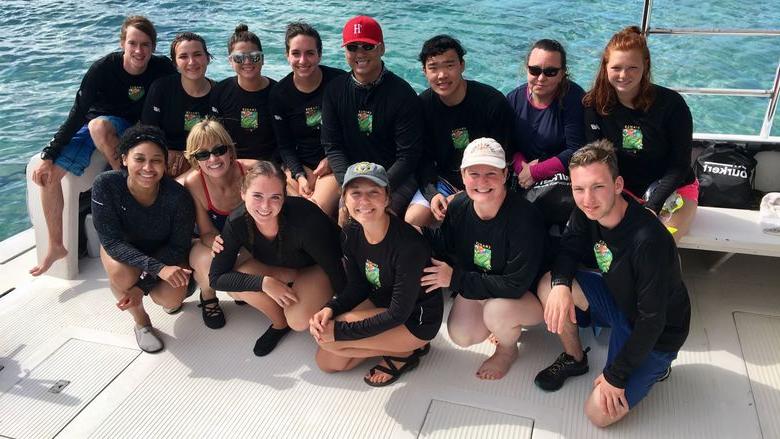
x,y
603,311
75,156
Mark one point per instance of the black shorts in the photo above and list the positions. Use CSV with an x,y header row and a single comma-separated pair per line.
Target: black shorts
x,y
425,321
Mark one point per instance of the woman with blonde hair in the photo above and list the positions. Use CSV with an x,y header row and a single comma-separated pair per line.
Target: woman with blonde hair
x,y
651,128
215,185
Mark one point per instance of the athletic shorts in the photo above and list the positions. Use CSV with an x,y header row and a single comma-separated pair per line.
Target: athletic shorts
x,y
75,156
425,321
603,311
442,186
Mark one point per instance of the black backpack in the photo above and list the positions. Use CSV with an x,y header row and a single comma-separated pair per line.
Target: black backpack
x,y
725,173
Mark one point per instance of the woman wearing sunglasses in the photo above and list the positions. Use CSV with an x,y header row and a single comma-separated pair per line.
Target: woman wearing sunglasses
x,y
296,103
177,102
144,220
295,264
216,188
383,311
651,127
242,101
548,115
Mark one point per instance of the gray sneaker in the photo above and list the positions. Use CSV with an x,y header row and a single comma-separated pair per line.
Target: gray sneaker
x,y
147,340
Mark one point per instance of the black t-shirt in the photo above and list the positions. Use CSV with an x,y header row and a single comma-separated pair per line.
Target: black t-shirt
x,y
651,146
387,273
145,237
306,237
640,265
484,112
169,107
297,121
499,257
381,123
247,117
107,89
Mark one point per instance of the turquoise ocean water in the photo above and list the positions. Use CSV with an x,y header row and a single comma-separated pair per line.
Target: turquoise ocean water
x,y
47,45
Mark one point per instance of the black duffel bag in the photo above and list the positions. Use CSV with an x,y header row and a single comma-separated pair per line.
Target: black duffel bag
x,y
725,174
553,198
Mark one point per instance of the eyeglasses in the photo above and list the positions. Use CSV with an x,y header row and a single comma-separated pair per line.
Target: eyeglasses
x,y
548,71
353,47
217,151
239,58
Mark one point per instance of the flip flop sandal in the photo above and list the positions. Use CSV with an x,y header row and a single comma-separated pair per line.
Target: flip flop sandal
x,y
423,351
409,363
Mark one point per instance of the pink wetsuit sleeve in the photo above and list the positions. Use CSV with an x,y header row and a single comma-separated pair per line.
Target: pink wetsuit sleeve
x,y
517,162
546,169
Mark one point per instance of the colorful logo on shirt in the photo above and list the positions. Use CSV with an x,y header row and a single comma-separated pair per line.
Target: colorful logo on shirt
x,y
313,117
365,121
135,92
190,119
460,138
482,254
372,274
632,138
249,118
603,256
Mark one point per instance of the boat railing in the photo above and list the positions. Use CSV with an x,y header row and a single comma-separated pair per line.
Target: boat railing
x,y
773,94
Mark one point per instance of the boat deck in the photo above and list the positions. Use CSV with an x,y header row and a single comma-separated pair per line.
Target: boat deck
x,y
208,383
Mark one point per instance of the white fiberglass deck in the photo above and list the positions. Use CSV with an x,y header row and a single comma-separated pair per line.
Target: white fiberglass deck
x,y
208,383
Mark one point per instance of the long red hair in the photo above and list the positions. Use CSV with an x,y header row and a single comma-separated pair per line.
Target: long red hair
x,y
602,96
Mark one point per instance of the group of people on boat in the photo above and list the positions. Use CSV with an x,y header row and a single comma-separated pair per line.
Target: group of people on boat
x,y
343,203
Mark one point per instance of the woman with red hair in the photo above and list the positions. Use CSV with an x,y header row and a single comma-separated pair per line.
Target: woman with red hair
x,y
651,128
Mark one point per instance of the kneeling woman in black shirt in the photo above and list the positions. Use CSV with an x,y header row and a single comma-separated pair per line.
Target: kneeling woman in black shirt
x,y
493,241
296,259
383,311
144,220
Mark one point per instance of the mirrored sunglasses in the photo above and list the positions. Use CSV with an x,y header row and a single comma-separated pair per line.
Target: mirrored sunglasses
x,y
239,57
353,47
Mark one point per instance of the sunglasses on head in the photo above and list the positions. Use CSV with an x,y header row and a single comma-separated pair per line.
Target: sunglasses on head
x,y
216,151
353,47
239,57
547,71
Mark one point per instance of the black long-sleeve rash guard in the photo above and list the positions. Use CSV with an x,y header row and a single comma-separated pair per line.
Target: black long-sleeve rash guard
x,y
643,275
381,123
499,257
108,90
145,237
306,237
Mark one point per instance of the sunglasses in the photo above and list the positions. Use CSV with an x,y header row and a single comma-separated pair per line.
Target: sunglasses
x,y
548,71
239,58
353,47
217,151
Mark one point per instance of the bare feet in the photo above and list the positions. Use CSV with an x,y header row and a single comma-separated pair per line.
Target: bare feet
x,y
52,256
495,367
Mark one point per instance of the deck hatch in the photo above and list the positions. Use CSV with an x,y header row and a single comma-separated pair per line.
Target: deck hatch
x,y
450,420
759,336
47,398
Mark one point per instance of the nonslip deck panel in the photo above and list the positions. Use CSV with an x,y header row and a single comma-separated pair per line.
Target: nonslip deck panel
x,y
30,409
759,336
446,420
207,383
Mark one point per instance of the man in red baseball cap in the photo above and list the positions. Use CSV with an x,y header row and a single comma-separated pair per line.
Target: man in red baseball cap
x,y
372,115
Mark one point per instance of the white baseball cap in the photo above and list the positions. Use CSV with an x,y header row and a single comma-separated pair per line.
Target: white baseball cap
x,y
484,151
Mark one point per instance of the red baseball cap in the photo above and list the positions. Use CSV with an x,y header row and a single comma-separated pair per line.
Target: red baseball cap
x,y
361,29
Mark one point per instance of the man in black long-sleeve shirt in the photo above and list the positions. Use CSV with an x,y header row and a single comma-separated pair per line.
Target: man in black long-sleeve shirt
x,y
372,115
638,290
109,100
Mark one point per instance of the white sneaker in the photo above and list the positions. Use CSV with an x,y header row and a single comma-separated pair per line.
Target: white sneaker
x,y
147,340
